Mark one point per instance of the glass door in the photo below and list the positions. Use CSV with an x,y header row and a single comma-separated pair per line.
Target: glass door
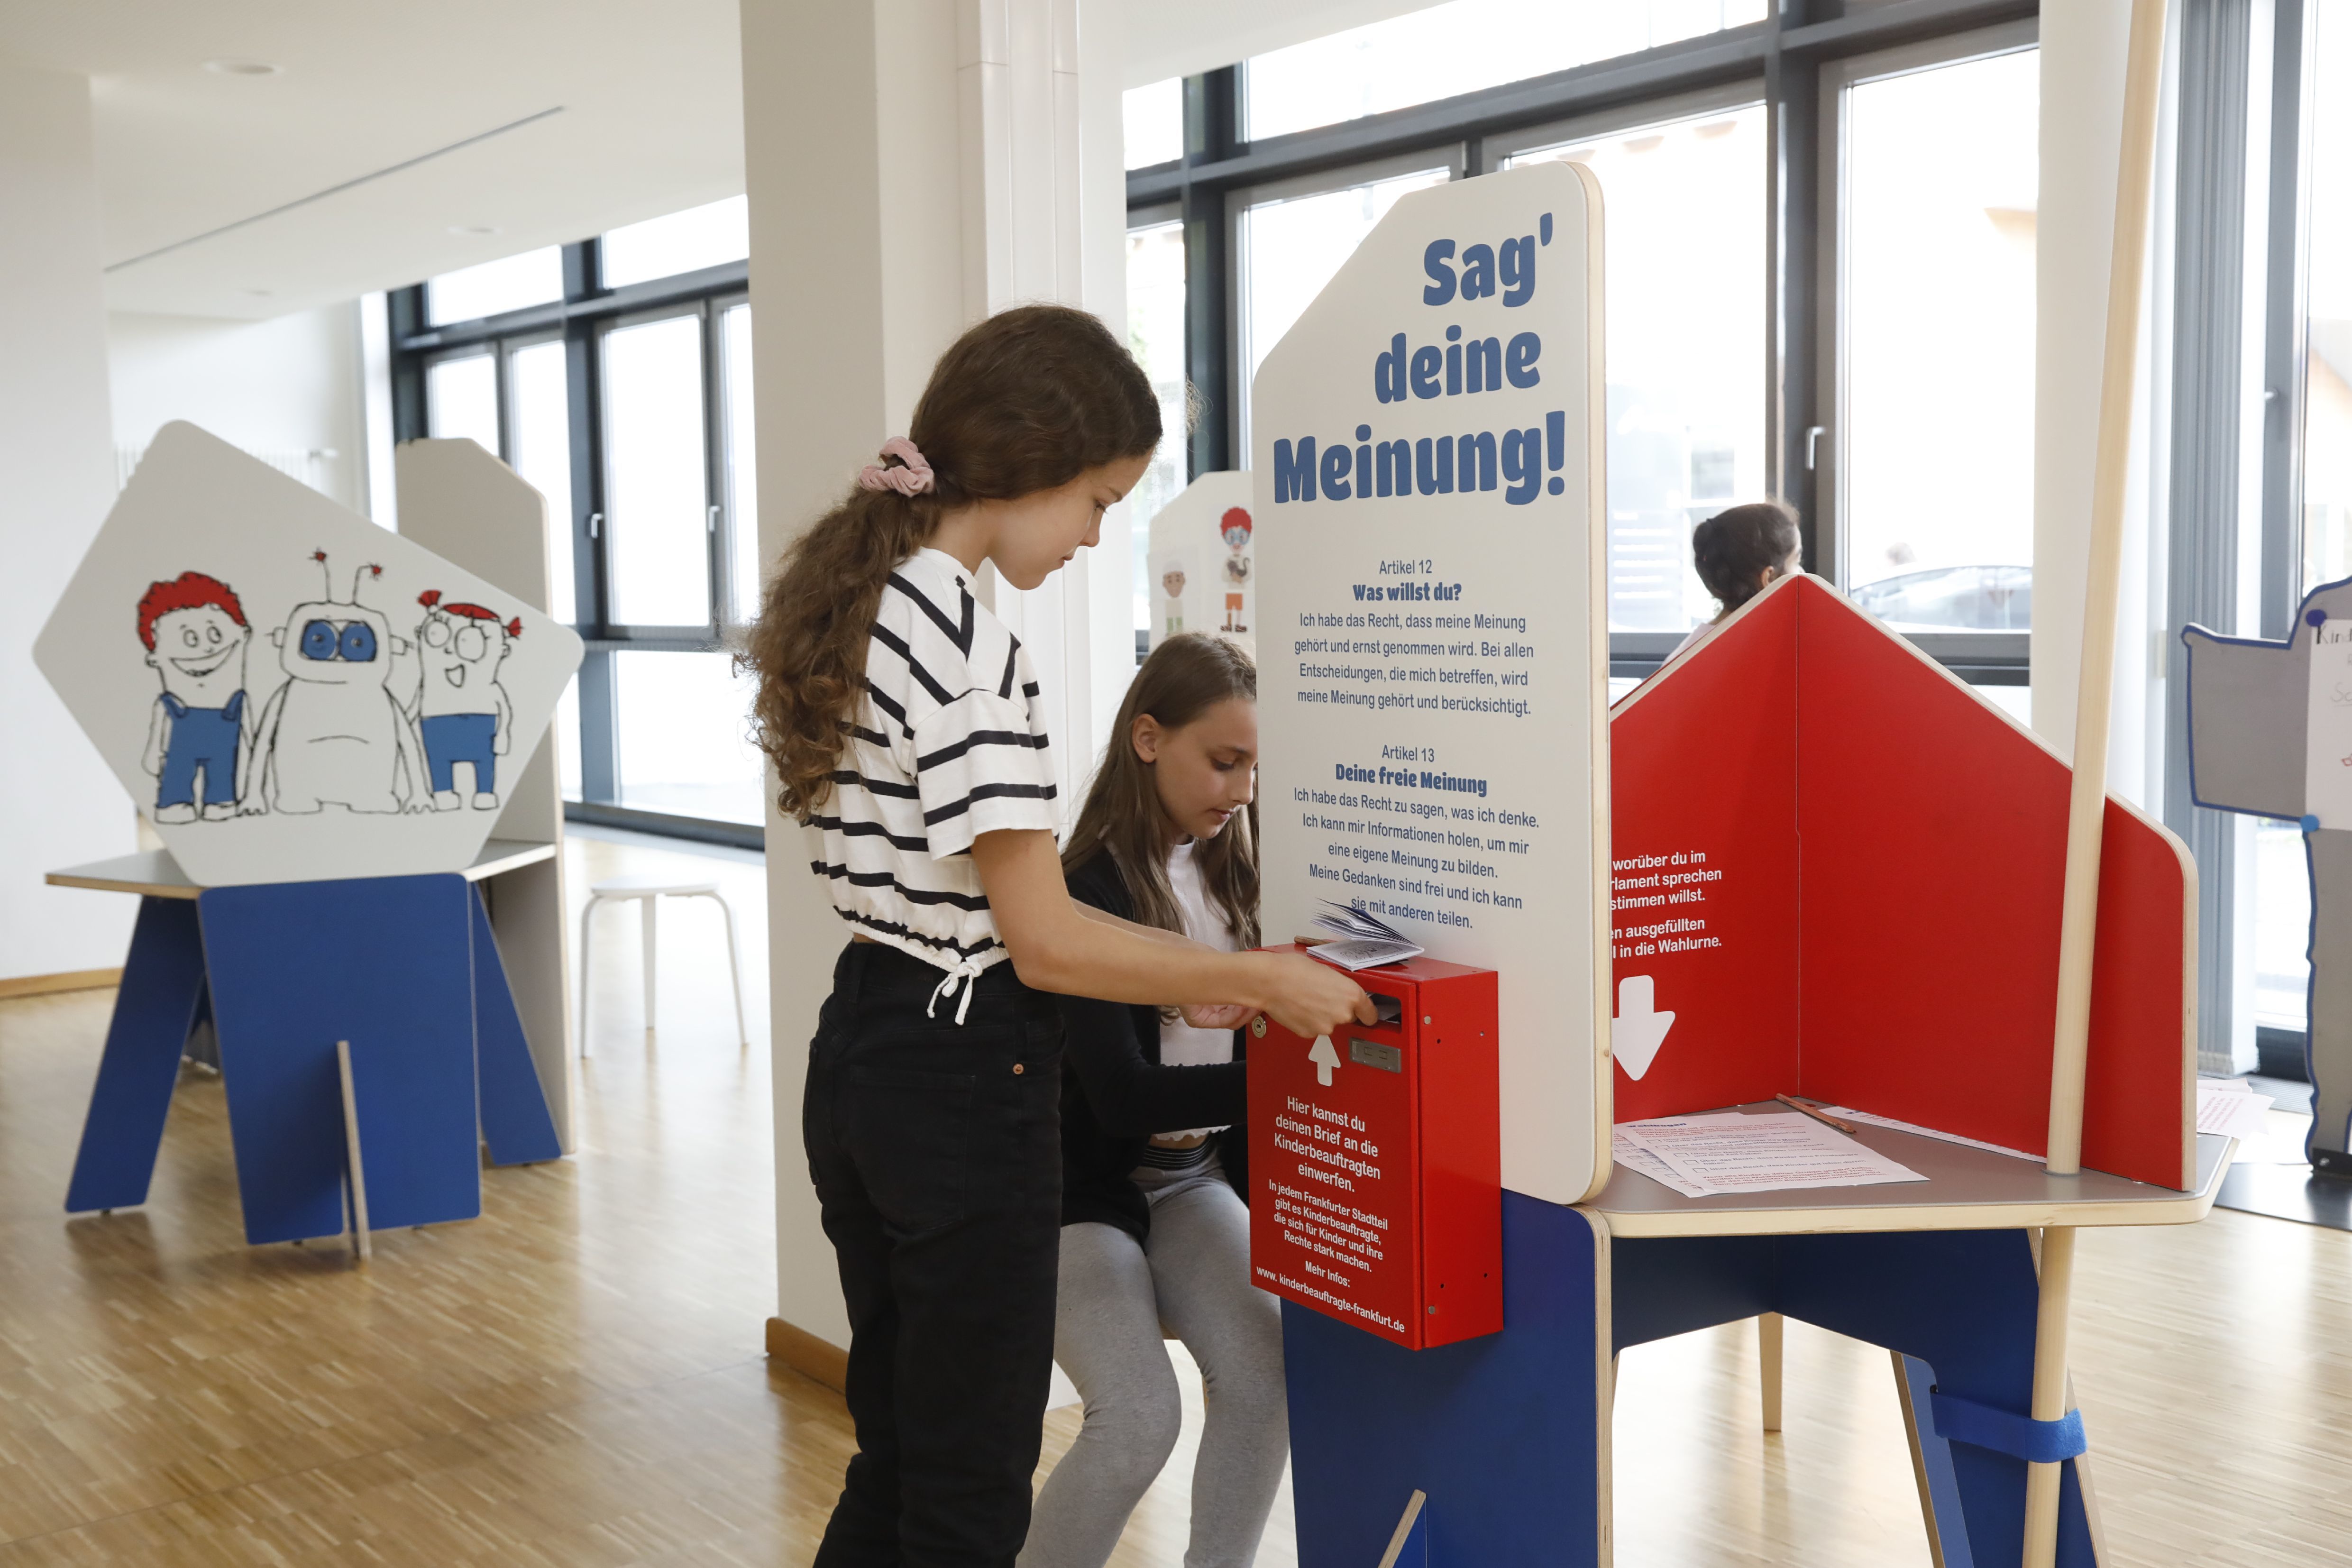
x,y
1928,431
657,514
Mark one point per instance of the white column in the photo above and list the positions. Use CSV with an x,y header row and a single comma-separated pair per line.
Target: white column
x,y
2082,58
1045,206
914,165
60,803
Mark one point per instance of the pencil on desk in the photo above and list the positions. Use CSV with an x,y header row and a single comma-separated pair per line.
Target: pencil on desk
x,y
1816,1112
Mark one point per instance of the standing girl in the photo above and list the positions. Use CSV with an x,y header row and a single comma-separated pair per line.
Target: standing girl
x,y
906,732
1153,1229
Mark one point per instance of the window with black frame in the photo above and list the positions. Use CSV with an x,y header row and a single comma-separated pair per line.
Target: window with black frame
x,y
1765,255
615,375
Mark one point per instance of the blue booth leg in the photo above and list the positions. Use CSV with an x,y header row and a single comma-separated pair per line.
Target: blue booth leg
x,y
1964,1303
163,986
516,1123
1504,1434
384,962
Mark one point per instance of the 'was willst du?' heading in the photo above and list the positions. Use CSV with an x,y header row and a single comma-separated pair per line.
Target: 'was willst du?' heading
x,y
1522,462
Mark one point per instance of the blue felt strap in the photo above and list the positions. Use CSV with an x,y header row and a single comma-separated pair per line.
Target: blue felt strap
x,y
2020,1437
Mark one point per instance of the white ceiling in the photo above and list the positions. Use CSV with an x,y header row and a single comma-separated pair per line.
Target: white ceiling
x,y
193,165
651,121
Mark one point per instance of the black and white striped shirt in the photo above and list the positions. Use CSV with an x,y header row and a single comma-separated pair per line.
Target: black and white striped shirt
x,y
949,742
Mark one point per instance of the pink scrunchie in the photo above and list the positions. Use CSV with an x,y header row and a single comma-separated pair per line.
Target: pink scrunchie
x,y
913,479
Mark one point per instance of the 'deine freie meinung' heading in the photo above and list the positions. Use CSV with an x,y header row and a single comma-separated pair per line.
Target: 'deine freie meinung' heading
x,y
1408,778
1521,462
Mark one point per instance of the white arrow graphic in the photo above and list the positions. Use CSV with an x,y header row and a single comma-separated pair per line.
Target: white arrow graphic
x,y
1324,1059
1639,1028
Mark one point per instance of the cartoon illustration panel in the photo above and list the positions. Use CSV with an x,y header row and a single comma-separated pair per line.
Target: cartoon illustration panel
x,y
289,692
1203,560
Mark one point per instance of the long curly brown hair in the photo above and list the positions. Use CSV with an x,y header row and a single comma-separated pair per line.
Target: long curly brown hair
x,y
1184,677
1026,401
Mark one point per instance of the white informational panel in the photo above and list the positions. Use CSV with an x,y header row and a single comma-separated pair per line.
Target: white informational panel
x,y
2327,733
459,501
1427,449
1203,561
290,692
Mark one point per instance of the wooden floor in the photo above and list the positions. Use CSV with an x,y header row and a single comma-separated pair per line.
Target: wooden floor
x,y
575,1378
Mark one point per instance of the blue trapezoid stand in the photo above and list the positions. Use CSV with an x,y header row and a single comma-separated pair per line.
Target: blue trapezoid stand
x,y
1504,1432
404,968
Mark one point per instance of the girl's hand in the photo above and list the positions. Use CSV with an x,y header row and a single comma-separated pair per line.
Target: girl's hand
x,y
1219,1014
1310,998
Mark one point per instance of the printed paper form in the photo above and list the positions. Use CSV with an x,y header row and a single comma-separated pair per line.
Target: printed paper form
x,y
1771,1152
1635,1158
2229,1106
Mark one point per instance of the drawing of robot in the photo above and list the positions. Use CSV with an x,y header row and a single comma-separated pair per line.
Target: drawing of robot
x,y
196,634
1172,583
463,714
333,733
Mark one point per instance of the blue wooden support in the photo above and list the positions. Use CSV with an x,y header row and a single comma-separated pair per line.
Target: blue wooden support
x,y
1504,1432
405,968
1507,1435
386,963
515,1123
163,989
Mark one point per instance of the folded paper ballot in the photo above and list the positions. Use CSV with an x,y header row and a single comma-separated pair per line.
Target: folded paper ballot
x,y
1364,942
1770,1153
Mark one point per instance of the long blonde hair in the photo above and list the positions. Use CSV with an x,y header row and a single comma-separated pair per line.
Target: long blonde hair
x,y
1184,677
1026,401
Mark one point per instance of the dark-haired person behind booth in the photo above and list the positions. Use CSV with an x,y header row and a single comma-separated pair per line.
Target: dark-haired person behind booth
x,y
1153,1228
1739,552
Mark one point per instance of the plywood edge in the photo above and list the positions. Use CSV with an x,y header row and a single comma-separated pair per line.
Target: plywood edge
x,y
1597,717
1604,1390
819,1361
64,980
2187,1208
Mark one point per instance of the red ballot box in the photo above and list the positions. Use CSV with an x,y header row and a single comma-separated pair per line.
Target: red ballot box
x,y
1375,1160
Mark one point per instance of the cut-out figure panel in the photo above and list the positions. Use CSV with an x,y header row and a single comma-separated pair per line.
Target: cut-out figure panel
x,y
2270,734
232,644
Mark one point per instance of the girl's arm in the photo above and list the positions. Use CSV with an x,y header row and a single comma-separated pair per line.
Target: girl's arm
x,y
1056,948
1134,1097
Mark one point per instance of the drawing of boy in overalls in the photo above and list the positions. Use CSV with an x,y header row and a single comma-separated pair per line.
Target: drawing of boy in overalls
x,y
196,634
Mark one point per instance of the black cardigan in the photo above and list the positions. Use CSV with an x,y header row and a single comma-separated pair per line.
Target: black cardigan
x,y
1116,1095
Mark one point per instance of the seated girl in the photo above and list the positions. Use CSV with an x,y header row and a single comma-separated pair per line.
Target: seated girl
x,y
1154,1233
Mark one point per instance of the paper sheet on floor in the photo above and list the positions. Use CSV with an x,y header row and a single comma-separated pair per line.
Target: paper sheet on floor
x,y
1771,1152
2231,1106
1912,1127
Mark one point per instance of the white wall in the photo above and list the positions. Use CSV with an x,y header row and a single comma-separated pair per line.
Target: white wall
x,y
972,162
61,804
283,389
844,334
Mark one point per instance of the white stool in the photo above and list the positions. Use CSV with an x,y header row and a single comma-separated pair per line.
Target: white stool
x,y
647,892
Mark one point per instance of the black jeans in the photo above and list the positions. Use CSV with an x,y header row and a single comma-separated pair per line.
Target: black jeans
x,y
936,1151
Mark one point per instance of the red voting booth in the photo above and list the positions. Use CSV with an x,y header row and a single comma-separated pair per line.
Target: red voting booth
x,y
1375,1161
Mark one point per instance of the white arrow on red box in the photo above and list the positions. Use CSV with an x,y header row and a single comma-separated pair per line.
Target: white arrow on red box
x,y
1639,1028
1326,1057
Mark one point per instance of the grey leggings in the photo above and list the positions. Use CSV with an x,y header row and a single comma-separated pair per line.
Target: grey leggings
x,y
1115,1295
